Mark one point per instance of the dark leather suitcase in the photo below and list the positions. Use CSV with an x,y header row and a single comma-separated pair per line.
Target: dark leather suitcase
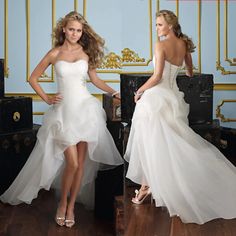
x,y
198,92
108,184
15,114
111,106
130,83
228,143
15,149
1,78
211,132
117,132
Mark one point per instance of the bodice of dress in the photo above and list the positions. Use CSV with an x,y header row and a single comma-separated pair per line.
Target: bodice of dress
x,y
169,75
71,78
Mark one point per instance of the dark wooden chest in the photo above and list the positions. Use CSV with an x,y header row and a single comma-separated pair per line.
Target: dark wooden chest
x,y
211,132
109,183
111,106
228,143
130,83
198,92
117,131
15,114
15,149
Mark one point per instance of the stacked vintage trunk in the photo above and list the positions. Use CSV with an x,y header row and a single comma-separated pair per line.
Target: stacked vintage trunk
x,y
17,133
109,183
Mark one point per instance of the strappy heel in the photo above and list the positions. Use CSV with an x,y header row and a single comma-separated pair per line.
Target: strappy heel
x,y
69,223
140,201
70,220
60,220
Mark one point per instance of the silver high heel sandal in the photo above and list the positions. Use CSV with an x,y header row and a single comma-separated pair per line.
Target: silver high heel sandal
x,y
140,201
69,223
60,220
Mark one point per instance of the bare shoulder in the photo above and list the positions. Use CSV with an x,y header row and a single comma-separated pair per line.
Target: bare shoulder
x,y
55,50
182,43
52,54
160,47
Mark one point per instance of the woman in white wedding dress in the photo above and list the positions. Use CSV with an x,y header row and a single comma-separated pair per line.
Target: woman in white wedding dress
x,y
181,170
73,139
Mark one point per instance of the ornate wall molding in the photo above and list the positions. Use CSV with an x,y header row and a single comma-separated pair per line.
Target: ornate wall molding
x,y
220,115
76,5
198,68
130,56
27,39
111,61
177,8
114,61
233,60
157,5
218,62
44,77
6,68
147,61
199,36
229,87
84,8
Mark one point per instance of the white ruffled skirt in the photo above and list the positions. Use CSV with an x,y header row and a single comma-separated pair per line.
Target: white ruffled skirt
x,y
186,174
62,127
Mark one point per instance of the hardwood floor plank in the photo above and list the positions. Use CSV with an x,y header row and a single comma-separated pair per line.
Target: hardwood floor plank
x,y
37,219
148,220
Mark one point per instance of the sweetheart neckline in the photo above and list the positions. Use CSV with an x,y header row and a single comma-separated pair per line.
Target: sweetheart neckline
x,y
70,62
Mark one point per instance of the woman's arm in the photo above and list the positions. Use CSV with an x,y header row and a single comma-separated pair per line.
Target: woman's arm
x,y
158,70
38,71
100,83
189,64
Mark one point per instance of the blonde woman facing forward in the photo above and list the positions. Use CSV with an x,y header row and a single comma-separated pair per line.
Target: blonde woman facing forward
x,y
73,139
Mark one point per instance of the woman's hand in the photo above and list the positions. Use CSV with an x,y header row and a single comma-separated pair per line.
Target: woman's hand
x,y
116,95
137,96
54,99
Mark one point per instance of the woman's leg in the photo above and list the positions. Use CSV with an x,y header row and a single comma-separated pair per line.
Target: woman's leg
x,y
82,152
71,159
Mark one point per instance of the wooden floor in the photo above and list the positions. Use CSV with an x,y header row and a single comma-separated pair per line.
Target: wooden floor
x,y
37,219
148,220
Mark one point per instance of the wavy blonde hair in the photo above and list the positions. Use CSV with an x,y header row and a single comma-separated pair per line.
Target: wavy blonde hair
x,y
172,19
92,43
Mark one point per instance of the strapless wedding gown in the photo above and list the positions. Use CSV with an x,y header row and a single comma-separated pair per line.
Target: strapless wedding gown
x,y
78,117
186,174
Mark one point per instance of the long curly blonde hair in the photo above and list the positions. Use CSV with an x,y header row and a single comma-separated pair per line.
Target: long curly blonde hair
x,y
92,43
172,19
